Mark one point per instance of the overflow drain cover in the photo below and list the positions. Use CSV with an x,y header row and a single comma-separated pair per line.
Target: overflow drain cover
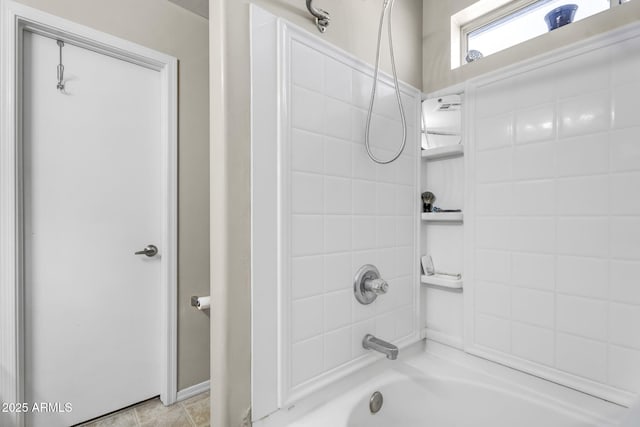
x,y
375,402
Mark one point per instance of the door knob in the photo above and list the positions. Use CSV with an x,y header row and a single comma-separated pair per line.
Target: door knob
x,y
149,250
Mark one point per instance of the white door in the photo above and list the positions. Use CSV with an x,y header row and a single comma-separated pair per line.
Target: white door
x,y
92,197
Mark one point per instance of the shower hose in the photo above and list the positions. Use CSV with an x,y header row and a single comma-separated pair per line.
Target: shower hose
x,y
387,4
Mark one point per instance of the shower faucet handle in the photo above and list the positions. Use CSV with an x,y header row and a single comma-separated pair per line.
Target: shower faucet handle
x,y
378,286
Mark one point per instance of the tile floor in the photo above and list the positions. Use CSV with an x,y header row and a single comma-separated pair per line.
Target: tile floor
x,y
192,412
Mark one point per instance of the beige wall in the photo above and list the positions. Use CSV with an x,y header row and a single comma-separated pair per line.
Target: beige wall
x,y
437,73
353,28
165,27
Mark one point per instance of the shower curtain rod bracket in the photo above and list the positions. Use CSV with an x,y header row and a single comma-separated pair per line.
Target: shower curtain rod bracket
x,y
322,16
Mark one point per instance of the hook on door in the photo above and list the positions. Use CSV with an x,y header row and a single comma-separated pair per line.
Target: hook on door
x,y
60,85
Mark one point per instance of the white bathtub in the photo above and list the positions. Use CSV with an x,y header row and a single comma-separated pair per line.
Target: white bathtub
x,y
443,387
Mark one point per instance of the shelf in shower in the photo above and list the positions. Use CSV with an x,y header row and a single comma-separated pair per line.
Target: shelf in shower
x,y
442,216
441,281
443,152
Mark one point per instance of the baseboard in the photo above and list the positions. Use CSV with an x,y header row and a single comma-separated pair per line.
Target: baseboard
x,y
193,390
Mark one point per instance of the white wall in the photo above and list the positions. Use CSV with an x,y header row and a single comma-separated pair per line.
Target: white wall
x,y
554,219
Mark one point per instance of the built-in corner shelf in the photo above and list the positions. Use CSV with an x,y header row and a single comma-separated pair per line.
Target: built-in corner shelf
x,y
441,281
442,216
443,152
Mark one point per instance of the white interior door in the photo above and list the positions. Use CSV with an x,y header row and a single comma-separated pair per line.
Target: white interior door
x,y
92,197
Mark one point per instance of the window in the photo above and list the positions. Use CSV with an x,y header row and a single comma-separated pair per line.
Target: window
x,y
516,22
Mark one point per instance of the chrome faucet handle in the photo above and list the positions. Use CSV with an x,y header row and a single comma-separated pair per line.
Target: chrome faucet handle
x,y
378,286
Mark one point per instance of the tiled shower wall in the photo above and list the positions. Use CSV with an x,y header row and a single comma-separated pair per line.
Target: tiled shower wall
x,y
556,220
344,211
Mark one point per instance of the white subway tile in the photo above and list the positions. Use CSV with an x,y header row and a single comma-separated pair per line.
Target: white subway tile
x,y
625,150
337,272
534,197
533,343
533,234
386,327
581,357
306,360
386,231
360,312
406,261
358,332
584,114
624,368
532,306
410,109
586,277
337,79
494,199
387,263
623,325
406,202
307,276
625,63
623,195
583,196
385,199
493,299
535,124
494,165
495,98
404,321
337,195
337,348
583,155
404,290
337,119
364,197
494,132
337,157
625,235
404,231
306,318
358,126
306,151
364,232
386,103
337,309
337,233
582,316
387,172
307,110
533,270
307,193
626,104
534,161
624,283
406,169
363,166
493,266
493,333
362,85
307,67
493,233
536,86
583,236
307,234
583,73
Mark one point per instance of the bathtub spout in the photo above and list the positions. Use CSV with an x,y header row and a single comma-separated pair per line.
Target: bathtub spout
x,y
372,343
